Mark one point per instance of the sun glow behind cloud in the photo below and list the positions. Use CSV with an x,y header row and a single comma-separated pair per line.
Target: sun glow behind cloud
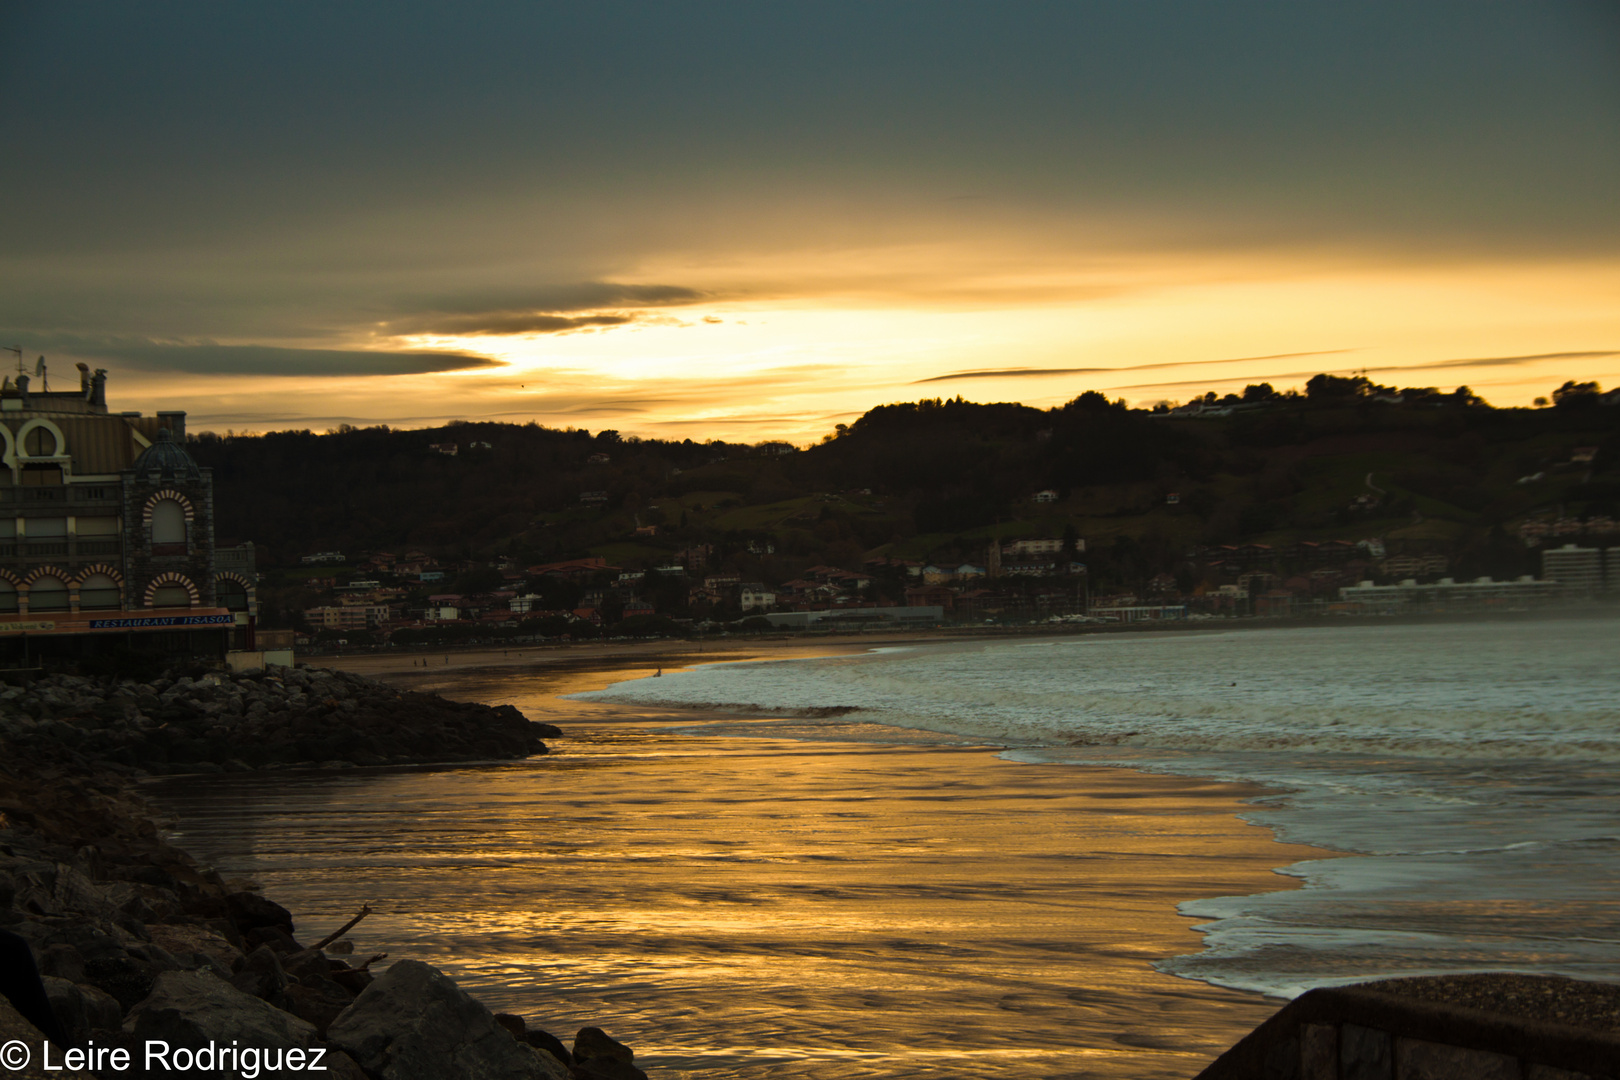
x,y
760,221
786,366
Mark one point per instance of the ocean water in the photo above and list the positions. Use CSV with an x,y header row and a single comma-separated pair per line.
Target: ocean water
x,y
746,897
1469,772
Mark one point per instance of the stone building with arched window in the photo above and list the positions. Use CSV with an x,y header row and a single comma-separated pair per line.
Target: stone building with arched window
x,y
107,533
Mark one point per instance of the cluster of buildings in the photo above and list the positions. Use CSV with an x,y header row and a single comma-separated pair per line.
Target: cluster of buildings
x,y
107,540
1568,573
1537,531
1294,580
926,593
365,603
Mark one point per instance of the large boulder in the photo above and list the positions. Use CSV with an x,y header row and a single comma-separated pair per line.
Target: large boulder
x,y
15,1029
184,941
262,976
82,1010
415,1023
193,1008
599,1056
250,911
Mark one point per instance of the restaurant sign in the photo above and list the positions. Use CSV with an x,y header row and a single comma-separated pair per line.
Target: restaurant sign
x,y
156,622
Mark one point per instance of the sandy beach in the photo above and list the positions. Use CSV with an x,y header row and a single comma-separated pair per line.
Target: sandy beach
x,y
741,901
669,653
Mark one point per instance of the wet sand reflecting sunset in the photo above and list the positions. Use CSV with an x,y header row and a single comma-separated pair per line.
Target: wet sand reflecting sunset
x,y
752,902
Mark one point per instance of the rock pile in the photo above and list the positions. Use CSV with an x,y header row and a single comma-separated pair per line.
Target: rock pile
x,y
219,721
138,945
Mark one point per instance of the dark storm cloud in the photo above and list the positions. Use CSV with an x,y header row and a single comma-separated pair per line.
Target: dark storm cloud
x,y
1017,372
208,358
576,297
548,310
233,167
213,122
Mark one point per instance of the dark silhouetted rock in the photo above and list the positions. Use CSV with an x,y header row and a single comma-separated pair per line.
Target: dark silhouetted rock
x,y
82,1009
193,1008
185,942
318,1000
262,976
61,960
13,1026
126,978
273,936
250,911
545,1040
414,1023
597,1056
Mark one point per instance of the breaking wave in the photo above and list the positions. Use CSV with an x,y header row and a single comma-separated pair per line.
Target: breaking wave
x,y
1465,763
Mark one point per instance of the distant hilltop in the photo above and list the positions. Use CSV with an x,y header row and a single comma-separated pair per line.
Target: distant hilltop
x,y
1347,480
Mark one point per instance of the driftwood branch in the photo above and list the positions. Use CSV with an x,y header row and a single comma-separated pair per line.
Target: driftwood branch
x,y
365,909
372,960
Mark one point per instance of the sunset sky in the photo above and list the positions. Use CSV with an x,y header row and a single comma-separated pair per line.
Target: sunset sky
x,y
753,221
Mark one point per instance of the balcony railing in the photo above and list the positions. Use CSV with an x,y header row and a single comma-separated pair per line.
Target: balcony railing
x,y
58,548
95,494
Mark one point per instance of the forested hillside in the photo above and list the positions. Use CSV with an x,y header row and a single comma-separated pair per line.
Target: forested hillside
x,y
935,480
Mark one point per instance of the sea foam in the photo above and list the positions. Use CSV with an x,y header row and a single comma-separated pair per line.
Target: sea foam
x,y
1470,766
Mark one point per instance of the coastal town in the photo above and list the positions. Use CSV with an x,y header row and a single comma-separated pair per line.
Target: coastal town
x,y
125,533
382,597
1286,507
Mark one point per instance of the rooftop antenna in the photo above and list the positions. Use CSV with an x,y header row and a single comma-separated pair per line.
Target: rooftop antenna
x,y
39,373
18,351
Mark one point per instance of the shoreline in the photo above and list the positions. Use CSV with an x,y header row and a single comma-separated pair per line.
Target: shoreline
x,y
387,660
1252,855
1251,863
119,935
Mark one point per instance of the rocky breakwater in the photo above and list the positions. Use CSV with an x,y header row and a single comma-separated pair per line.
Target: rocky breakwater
x,y
219,721
143,951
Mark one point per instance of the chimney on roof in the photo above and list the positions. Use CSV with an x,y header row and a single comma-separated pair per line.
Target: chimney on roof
x,y
22,387
84,379
98,388
175,421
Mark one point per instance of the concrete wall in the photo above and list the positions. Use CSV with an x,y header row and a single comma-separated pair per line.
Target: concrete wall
x,y
259,659
1362,1033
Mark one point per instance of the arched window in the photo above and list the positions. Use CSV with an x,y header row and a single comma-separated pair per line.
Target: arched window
x,y
8,596
171,596
98,592
168,527
231,594
47,594
40,442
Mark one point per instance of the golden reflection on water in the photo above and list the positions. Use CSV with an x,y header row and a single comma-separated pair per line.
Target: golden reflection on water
x,y
773,907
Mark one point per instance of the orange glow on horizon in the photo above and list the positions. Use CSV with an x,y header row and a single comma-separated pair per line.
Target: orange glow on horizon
x,y
791,364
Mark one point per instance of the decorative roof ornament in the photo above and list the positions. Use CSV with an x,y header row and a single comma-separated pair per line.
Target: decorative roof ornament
x,y
168,458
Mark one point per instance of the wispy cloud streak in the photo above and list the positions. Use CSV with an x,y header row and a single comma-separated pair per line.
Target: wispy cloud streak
x,y
1002,373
